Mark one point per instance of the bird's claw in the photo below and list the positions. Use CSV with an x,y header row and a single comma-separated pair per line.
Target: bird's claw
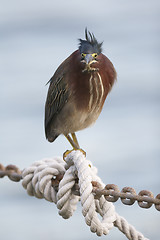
x,y
69,151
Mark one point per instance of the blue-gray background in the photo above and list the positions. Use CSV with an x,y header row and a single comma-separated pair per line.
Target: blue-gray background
x,y
124,144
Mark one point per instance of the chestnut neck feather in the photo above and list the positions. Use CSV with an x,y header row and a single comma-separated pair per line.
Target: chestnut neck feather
x,y
90,82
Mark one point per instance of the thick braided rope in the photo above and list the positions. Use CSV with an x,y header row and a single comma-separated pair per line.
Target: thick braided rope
x,y
37,179
130,232
66,200
86,174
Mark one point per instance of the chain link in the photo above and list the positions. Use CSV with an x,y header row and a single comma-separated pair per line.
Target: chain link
x,y
111,192
13,172
127,195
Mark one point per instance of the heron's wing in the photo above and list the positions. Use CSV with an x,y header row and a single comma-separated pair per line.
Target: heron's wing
x,y
56,98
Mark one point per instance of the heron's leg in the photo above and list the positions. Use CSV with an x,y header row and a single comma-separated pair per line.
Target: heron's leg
x,y
74,145
75,139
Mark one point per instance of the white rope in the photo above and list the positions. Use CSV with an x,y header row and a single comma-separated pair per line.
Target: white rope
x,y
37,179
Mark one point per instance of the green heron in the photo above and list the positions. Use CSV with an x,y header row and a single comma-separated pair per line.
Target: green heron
x,y
78,90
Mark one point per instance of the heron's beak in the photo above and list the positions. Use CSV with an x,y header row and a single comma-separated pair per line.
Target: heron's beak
x,y
88,59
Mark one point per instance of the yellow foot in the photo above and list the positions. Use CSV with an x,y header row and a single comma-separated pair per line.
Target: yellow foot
x,y
69,151
66,153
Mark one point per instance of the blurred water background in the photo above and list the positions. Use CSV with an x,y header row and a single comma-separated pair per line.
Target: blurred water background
x,y
124,144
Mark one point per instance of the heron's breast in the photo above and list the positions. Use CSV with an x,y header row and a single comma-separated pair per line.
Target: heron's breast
x,y
96,92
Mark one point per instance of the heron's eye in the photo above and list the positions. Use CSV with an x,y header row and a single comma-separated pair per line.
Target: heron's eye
x,y
83,55
94,55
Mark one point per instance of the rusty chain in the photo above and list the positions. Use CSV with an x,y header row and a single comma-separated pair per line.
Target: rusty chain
x,y
13,172
127,195
111,192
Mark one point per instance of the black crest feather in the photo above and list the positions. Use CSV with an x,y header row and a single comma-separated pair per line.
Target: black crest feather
x,y
91,44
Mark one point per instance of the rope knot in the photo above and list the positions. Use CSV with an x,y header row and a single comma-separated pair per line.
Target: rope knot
x,y
66,183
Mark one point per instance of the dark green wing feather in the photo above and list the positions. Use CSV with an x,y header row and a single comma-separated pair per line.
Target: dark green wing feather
x,y
56,98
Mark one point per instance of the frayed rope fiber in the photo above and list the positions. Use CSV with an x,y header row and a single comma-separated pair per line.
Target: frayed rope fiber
x,y
75,171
